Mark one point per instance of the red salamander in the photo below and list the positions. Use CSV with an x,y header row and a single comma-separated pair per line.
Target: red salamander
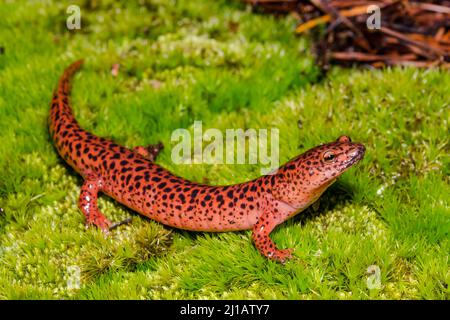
x,y
132,178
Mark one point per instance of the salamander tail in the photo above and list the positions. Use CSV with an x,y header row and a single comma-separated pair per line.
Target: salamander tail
x,y
64,81
60,110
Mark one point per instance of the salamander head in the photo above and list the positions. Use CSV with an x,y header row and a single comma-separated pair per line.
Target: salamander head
x,y
330,160
303,179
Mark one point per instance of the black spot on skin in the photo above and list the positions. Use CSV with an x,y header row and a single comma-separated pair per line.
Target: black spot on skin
x,y
156,179
161,185
272,180
124,162
112,165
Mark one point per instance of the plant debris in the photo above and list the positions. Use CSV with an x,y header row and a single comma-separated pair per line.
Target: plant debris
x,y
374,33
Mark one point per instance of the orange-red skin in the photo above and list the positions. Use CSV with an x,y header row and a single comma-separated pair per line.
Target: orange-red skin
x,y
133,179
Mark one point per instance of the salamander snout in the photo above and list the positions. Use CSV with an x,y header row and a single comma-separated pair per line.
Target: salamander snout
x,y
356,152
353,153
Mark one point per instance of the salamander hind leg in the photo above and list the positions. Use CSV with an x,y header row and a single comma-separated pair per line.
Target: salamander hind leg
x,y
149,152
265,245
88,203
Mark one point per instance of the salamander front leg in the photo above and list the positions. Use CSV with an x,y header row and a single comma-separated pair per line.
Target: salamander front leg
x,y
150,152
264,244
88,204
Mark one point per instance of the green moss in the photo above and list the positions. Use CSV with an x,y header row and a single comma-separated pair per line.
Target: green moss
x,y
217,62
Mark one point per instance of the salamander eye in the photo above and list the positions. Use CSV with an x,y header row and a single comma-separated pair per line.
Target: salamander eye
x,y
328,156
344,139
